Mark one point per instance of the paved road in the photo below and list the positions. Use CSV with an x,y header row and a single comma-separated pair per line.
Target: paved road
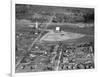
x,y
55,50
30,47
69,24
58,62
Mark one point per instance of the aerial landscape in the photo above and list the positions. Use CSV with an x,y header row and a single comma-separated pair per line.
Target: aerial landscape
x,y
53,38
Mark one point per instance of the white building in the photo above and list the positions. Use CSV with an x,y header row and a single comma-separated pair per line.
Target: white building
x,y
36,25
57,29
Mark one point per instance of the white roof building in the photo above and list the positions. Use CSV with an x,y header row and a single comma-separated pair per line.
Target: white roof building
x,y
58,28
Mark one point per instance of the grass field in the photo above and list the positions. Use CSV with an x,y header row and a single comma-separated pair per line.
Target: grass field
x,y
61,36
